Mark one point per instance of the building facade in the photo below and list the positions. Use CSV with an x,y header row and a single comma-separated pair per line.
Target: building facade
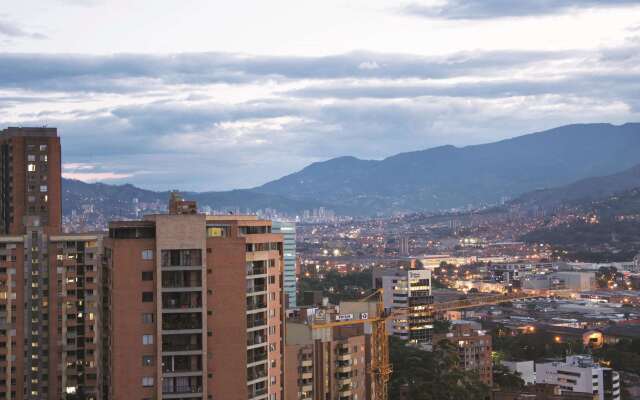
x,y
331,362
288,231
193,301
579,373
49,282
406,294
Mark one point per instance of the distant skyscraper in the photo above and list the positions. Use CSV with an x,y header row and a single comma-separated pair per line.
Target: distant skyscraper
x,y
288,231
49,293
404,246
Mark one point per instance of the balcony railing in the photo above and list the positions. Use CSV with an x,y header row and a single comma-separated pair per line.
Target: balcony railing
x,y
256,355
181,342
181,321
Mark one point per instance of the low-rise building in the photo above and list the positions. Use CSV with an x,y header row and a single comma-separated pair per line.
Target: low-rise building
x,y
579,373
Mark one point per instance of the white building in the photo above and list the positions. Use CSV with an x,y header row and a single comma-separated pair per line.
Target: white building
x,y
525,369
574,280
580,374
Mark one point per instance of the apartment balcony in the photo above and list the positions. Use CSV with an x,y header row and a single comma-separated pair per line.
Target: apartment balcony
x,y
255,303
306,375
256,320
182,322
181,258
306,389
182,387
257,338
343,379
344,369
182,365
257,390
257,355
181,279
307,363
181,343
343,357
182,301
256,268
257,373
257,285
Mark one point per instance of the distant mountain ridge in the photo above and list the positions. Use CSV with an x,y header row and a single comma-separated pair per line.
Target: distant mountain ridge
x,y
450,177
583,191
439,178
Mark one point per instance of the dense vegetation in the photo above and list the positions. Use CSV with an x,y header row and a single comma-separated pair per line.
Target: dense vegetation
x,y
338,287
436,375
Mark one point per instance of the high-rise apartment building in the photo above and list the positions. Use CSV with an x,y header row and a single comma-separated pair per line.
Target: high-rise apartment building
x,y
327,362
195,307
406,294
288,231
49,291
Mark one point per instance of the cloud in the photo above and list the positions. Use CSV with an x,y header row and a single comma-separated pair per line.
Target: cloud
x,y
12,30
95,176
213,121
131,73
489,9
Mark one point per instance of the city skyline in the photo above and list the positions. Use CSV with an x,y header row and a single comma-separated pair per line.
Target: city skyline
x,y
145,93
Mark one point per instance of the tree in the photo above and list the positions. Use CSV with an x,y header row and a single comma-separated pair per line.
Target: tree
x,y
506,379
441,326
433,375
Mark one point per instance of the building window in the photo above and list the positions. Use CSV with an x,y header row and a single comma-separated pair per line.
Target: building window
x,y
43,188
147,339
43,147
147,318
147,254
31,167
147,297
147,275
147,381
31,157
147,361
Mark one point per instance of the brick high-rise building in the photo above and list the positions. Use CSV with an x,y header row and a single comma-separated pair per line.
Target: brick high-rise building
x,y
332,362
195,307
474,348
48,281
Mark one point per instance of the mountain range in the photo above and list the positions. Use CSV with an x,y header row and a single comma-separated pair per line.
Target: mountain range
x,y
435,179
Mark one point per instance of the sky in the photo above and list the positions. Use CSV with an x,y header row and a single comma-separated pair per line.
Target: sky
x,y
216,95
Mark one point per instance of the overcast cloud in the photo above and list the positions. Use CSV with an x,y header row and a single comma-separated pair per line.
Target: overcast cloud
x,y
226,118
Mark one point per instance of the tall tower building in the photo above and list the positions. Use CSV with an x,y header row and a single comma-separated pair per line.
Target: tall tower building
x,y
48,281
195,307
288,231
407,293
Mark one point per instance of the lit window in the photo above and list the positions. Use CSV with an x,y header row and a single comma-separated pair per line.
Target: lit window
x,y
31,157
147,361
43,147
31,167
43,188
